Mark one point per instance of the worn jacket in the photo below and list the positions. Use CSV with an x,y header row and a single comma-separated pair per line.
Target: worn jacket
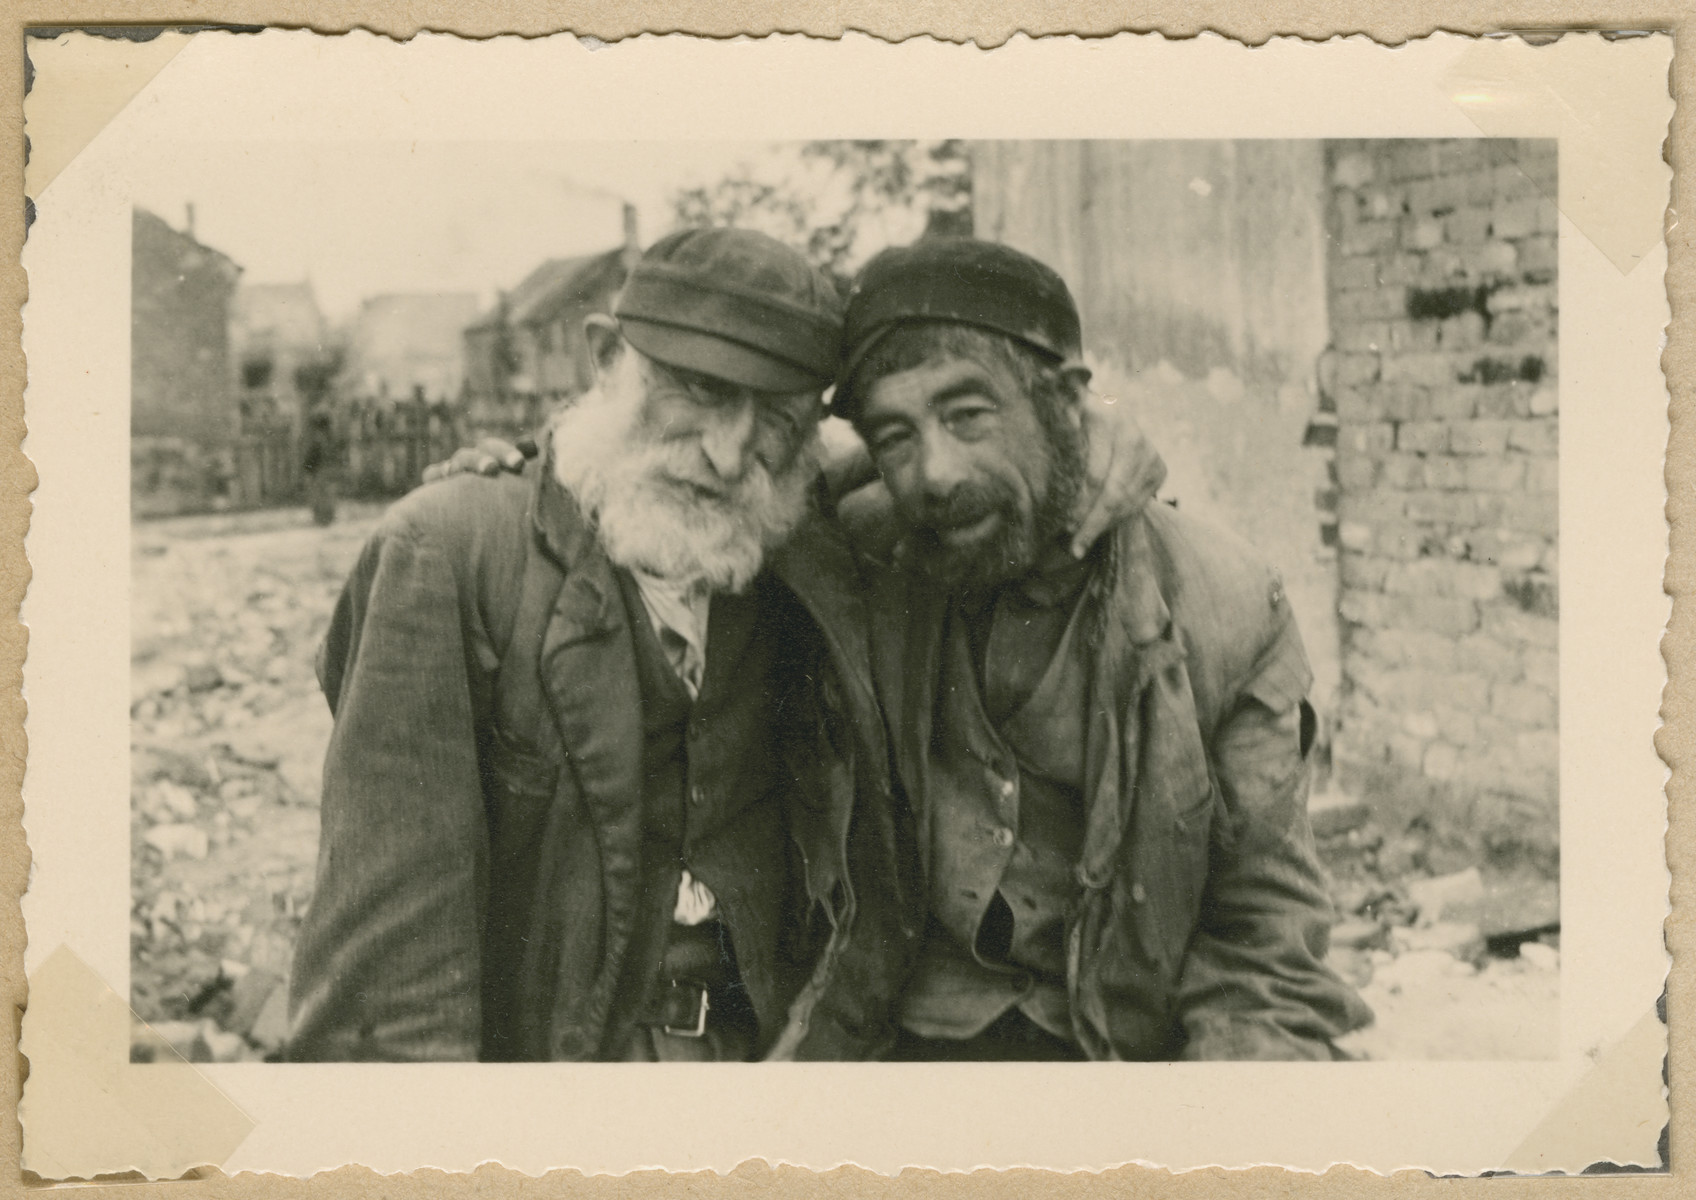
x,y
1202,922
479,873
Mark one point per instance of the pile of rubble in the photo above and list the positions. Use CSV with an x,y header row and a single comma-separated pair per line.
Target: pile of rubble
x,y
214,907
227,739
1457,961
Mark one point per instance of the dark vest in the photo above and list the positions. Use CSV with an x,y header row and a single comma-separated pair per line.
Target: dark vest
x,y
1006,828
711,802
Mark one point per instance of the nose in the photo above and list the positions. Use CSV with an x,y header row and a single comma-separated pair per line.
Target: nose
x,y
942,463
728,438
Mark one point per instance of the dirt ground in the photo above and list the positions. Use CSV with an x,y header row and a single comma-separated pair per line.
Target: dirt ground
x,y
228,735
228,731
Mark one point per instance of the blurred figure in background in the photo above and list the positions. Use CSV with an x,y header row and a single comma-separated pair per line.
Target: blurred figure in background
x,y
321,461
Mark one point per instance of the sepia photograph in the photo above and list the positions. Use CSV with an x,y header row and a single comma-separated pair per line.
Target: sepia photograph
x,y
688,590
436,770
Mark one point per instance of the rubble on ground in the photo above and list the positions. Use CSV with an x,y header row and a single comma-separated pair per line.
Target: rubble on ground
x,y
227,740
1458,960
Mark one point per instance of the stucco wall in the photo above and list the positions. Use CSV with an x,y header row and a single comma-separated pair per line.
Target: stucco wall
x,y
180,374
1199,268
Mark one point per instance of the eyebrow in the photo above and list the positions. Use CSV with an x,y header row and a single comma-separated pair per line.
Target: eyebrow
x,y
973,384
724,389
707,383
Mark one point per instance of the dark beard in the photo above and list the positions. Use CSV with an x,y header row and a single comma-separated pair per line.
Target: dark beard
x,y
1005,554
1017,542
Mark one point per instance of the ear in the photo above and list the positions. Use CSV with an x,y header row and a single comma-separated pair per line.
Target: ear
x,y
606,343
1077,377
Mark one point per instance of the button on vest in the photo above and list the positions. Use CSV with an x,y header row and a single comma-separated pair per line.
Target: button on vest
x,y
1007,809
708,801
1006,820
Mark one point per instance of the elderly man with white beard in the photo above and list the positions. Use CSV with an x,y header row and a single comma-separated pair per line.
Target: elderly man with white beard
x,y
589,786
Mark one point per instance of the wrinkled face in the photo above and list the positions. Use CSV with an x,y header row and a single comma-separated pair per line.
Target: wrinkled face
x,y
688,478
970,464
727,429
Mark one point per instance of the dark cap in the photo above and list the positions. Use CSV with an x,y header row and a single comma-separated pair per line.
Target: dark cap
x,y
736,305
968,282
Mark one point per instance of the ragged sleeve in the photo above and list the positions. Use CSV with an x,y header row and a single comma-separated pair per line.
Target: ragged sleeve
x,y
1254,983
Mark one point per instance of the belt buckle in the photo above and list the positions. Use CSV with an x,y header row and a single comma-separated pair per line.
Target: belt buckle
x,y
700,1029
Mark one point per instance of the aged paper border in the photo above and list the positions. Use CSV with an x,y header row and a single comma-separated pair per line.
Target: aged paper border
x,y
987,32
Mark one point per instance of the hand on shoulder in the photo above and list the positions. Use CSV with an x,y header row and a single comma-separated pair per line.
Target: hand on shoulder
x,y
490,456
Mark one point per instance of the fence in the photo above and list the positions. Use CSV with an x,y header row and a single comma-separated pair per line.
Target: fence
x,y
373,450
266,467
387,446
376,449
510,415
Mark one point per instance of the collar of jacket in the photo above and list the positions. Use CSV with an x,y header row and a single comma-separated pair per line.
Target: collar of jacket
x,y
818,565
568,537
589,677
1139,648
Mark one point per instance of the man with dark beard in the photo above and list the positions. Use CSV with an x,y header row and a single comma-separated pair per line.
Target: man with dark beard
x,y
1104,759
589,789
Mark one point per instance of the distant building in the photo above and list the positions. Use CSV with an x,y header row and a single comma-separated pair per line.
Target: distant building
x,y
404,345
183,420
275,330
527,353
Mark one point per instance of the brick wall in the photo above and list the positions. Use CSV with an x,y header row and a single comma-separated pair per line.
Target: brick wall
x,y
1442,375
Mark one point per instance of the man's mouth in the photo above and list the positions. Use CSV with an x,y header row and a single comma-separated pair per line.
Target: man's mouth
x,y
967,531
696,490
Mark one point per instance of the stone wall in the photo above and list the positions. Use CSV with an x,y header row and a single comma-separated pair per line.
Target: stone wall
x,y
1442,375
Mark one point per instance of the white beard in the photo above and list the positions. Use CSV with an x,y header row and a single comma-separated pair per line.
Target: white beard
x,y
648,519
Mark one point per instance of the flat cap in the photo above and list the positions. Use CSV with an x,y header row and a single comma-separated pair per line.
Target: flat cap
x,y
966,281
736,305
